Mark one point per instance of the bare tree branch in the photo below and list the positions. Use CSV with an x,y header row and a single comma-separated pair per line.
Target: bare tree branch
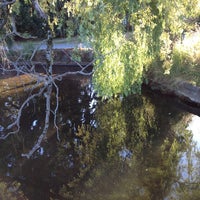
x,y
39,10
4,12
83,68
47,94
56,110
46,126
16,33
45,81
4,3
16,123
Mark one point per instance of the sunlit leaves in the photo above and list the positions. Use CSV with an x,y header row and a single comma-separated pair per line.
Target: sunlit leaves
x,y
126,36
121,61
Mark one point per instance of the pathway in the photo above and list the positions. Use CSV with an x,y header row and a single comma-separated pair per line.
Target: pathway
x,y
57,44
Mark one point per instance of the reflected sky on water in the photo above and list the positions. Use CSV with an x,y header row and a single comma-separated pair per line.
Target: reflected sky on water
x,y
194,127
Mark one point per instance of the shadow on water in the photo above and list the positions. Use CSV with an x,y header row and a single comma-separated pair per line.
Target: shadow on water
x,y
139,147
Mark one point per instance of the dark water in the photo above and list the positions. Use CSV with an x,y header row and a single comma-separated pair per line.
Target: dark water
x,y
136,148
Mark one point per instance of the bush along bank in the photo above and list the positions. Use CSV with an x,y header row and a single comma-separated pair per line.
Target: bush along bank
x,y
182,78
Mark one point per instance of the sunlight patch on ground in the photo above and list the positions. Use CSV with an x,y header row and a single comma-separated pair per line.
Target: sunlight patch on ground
x,y
190,44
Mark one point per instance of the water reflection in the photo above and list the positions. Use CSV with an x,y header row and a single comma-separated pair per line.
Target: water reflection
x,y
139,147
194,127
188,168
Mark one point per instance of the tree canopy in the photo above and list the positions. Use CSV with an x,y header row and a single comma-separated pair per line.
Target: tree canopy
x,y
126,36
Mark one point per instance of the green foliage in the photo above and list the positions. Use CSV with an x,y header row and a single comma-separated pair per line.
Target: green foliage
x,y
76,55
59,17
134,151
148,167
184,63
121,61
126,36
186,59
27,20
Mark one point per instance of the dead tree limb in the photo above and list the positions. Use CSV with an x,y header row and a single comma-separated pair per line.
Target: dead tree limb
x,y
39,10
16,33
46,81
16,123
4,3
46,125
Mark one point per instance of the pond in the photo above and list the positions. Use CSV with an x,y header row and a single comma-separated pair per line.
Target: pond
x,y
143,147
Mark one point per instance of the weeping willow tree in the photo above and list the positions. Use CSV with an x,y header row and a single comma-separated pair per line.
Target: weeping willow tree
x,y
127,36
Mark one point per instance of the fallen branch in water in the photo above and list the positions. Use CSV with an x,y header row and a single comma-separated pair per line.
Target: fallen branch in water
x,y
46,82
46,125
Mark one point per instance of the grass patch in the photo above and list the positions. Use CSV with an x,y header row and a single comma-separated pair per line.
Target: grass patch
x,y
184,64
186,59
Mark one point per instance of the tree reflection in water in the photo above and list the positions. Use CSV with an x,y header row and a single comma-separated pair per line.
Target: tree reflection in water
x,y
137,147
